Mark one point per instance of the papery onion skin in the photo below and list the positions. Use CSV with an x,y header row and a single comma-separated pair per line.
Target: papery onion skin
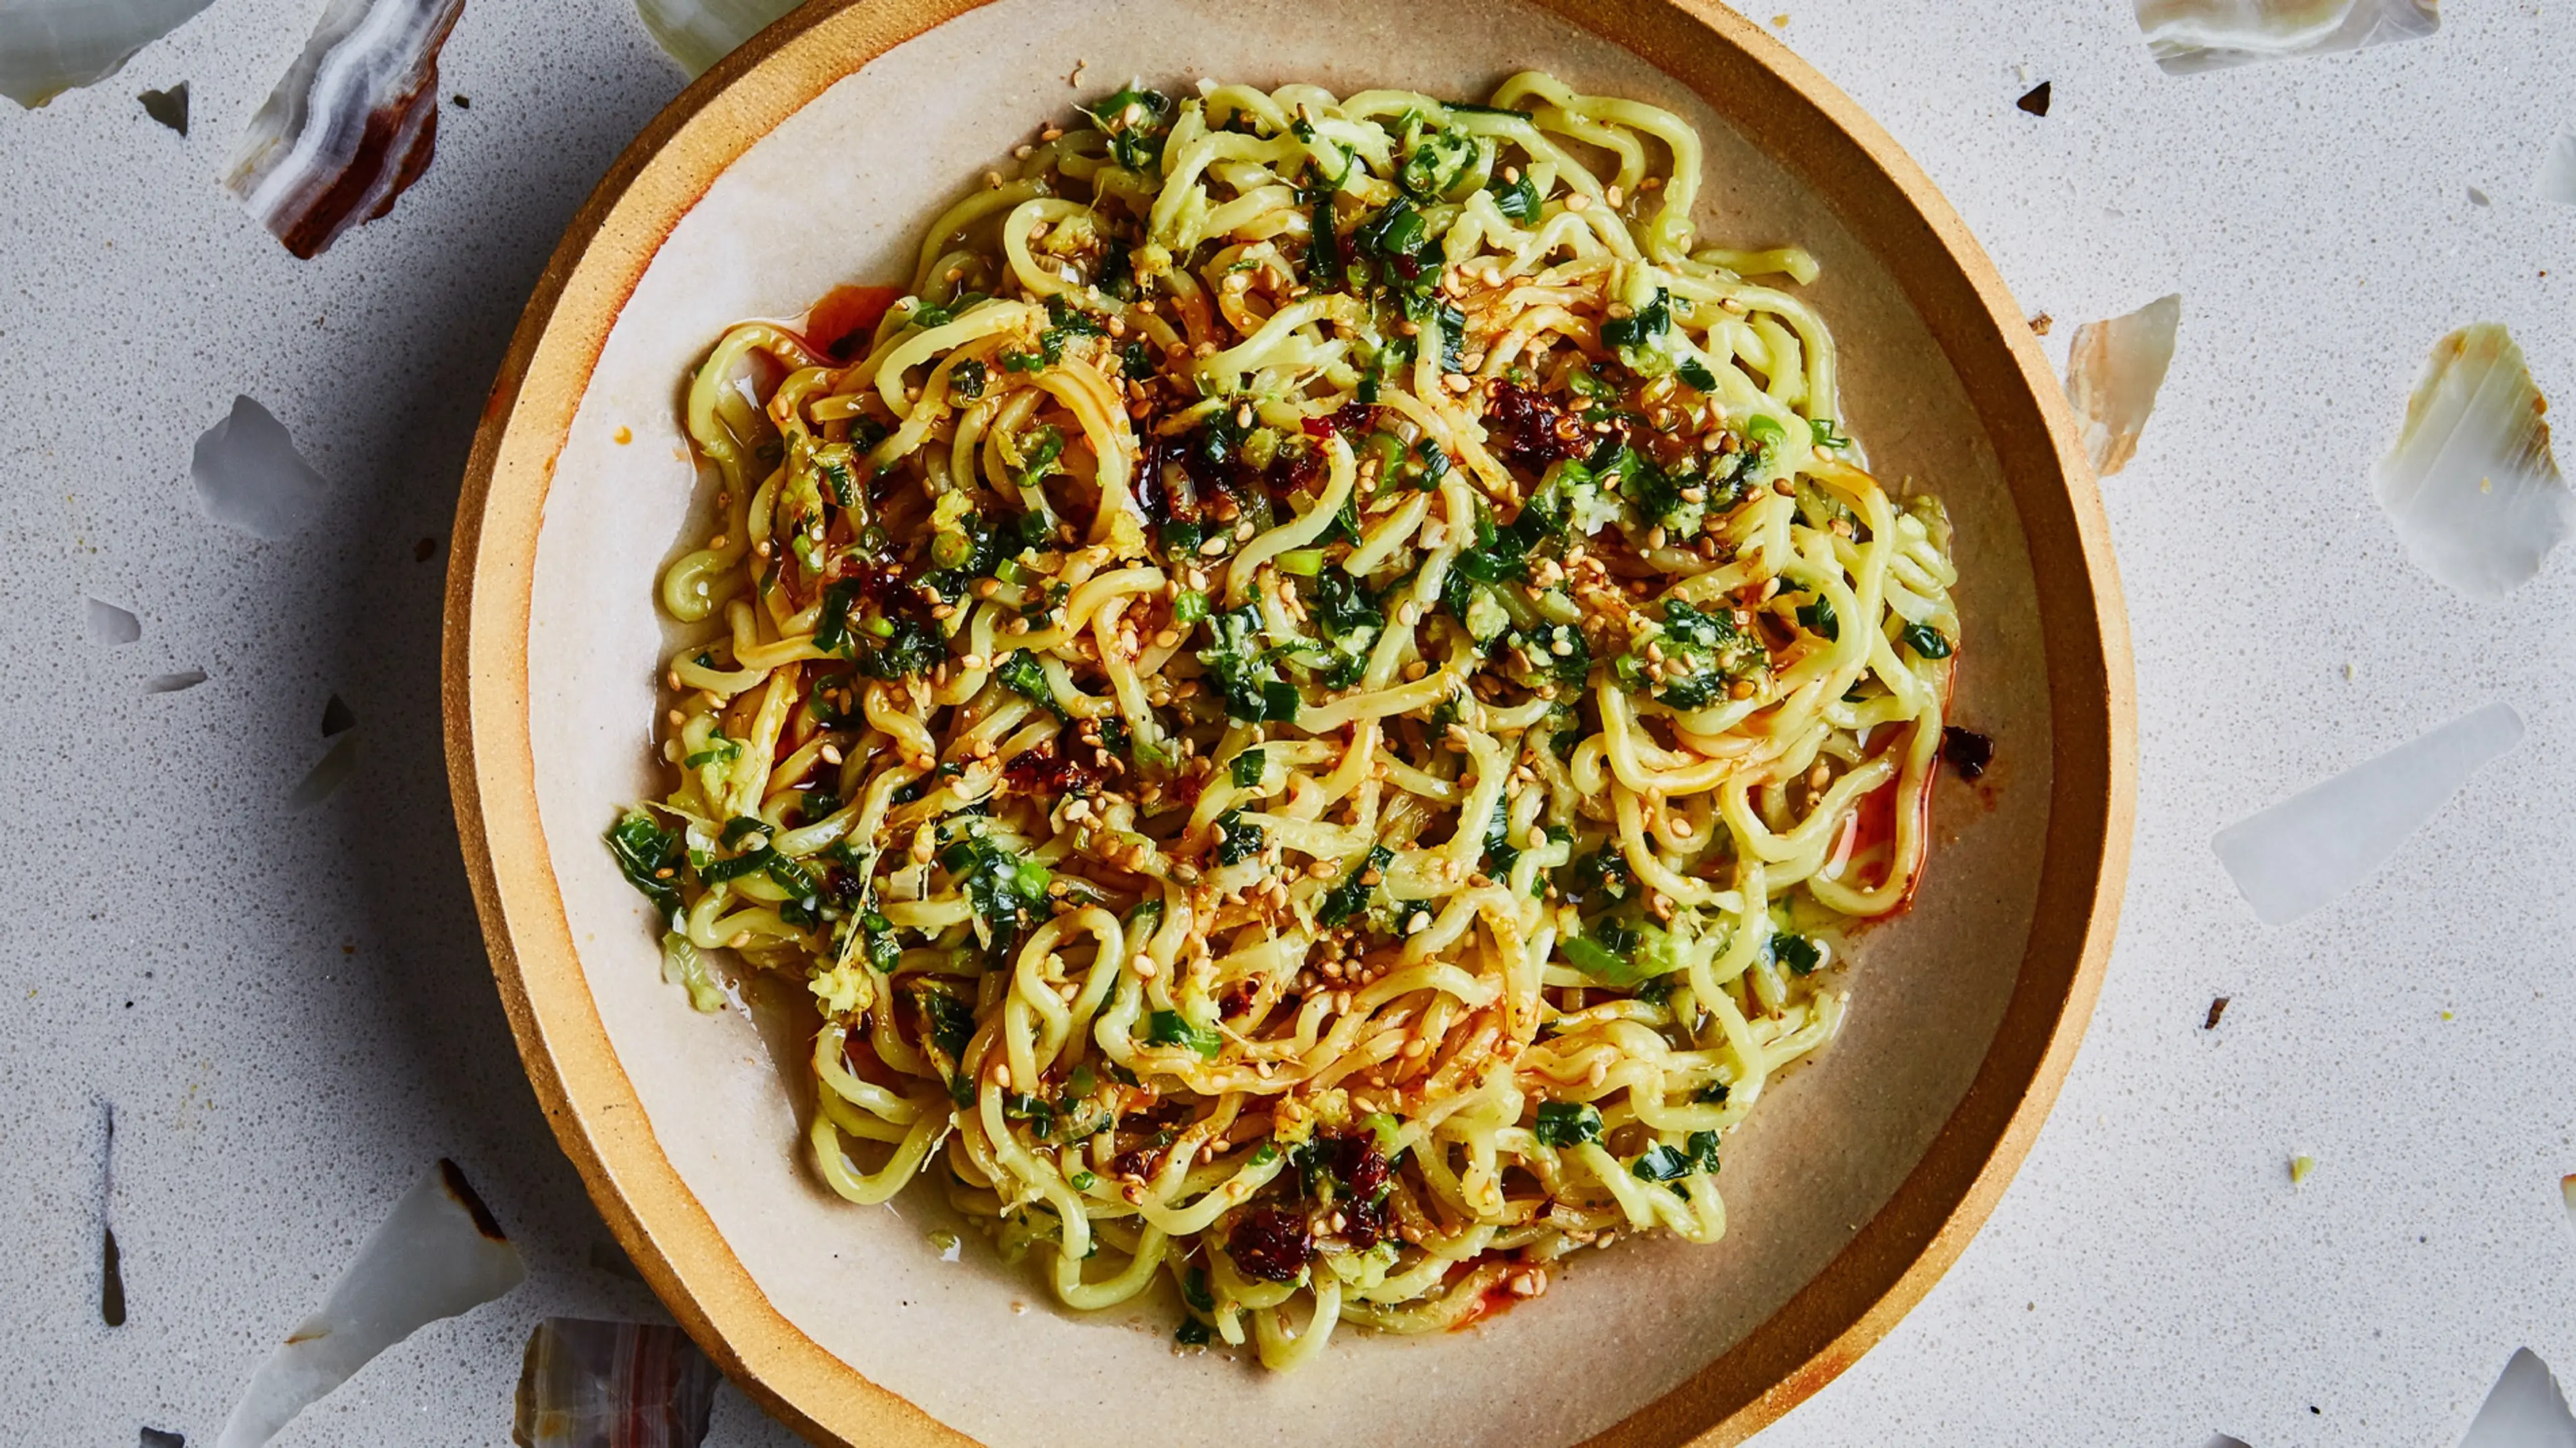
x,y
50,46
698,33
2471,487
350,127
2114,370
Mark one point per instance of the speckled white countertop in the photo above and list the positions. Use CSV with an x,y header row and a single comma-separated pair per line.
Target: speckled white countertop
x,y
291,1013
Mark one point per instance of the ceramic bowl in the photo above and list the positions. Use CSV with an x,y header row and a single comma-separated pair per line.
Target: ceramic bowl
x,y
810,158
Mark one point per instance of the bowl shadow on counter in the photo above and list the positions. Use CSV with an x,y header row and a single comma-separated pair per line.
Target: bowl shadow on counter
x,y
377,638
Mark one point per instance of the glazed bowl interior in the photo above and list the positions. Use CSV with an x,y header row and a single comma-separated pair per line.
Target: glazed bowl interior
x,y
805,1294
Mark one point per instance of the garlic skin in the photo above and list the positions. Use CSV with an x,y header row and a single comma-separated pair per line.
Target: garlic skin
x,y
2188,36
50,46
2556,182
2471,488
2113,372
2301,853
109,624
439,1253
698,33
250,477
2523,1409
353,123
584,1382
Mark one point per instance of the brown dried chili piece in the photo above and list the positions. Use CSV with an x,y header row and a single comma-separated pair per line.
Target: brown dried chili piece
x,y
1368,1221
1355,418
1968,751
1042,771
1360,1165
1361,1173
1531,430
1270,1244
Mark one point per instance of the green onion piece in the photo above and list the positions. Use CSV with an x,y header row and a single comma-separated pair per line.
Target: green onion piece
x,y
1567,1123
1661,1164
1926,640
1384,1124
1171,1028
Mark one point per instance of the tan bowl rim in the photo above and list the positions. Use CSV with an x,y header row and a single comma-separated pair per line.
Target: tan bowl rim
x,y
1783,105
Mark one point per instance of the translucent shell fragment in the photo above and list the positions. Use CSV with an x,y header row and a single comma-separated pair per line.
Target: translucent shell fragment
x,y
2113,372
2556,182
438,1254
2471,487
249,475
2525,1407
2304,851
2186,36
629,1383
110,624
50,46
353,123
698,33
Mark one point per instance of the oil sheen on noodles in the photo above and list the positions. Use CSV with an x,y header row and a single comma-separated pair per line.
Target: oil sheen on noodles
x,y
1313,699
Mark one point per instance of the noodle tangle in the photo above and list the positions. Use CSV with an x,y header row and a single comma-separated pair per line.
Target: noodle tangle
x,y
1313,699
